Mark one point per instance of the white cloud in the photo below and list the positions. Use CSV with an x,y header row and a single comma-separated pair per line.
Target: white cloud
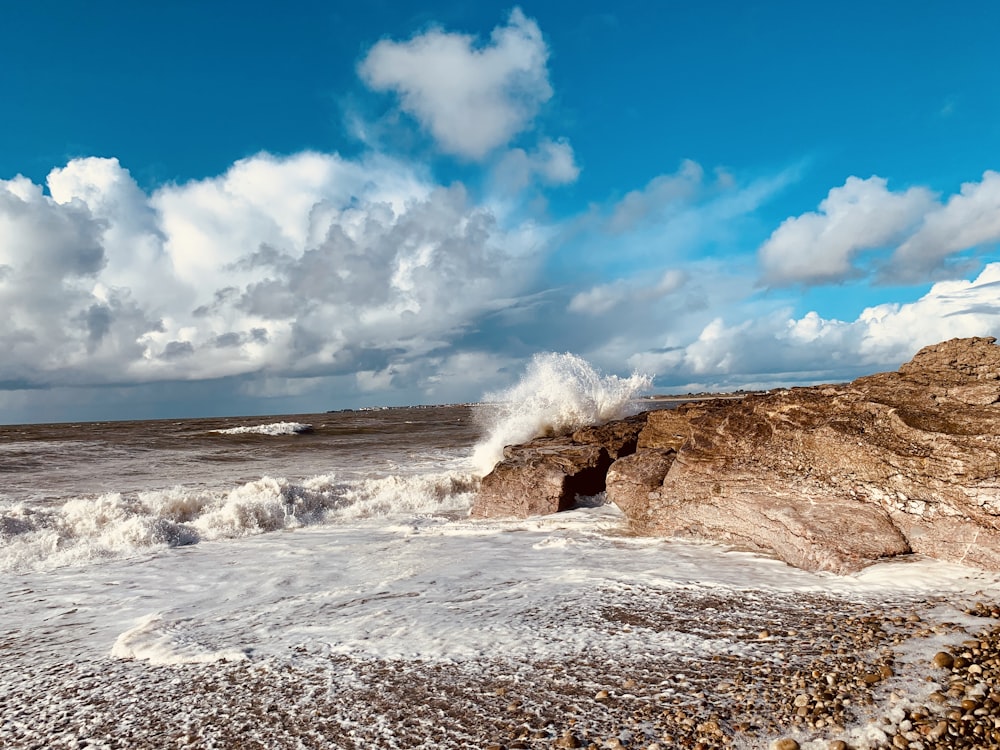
x,y
304,266
556,162
471,98
665,192
773,348
52,257
823,247
969,219
863,215
553,161
603,298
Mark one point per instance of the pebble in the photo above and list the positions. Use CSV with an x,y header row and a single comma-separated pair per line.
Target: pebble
x,y
568,740
943,659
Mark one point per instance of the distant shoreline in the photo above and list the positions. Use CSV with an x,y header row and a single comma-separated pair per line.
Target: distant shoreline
x,y
676,397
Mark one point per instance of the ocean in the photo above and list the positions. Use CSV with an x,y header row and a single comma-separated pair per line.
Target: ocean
x,y
315,581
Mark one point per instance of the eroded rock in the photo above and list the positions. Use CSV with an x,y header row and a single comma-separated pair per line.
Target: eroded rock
x,y
826,478
618,438
542,476
834,477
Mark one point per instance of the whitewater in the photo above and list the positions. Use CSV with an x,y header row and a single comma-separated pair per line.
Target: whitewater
x,y
315,581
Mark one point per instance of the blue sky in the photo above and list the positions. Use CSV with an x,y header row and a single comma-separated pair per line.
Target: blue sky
x,y
211,208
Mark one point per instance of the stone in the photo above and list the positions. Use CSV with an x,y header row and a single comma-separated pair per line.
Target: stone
x,y
567,740
619,438
542,476
827,478
943,660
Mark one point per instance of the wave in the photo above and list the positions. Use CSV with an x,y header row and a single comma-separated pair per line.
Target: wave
x,y
116,525
160,641
275,429
558,393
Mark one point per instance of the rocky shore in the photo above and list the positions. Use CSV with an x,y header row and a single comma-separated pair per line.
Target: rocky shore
x,y
825,478
817,672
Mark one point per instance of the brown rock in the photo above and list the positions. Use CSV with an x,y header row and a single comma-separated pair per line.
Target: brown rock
x,y
825,478
567,740
632,480
835,477
618,438
943,660
540,477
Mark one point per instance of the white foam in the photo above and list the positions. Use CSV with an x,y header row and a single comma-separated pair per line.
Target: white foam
x,y
558,393
116,525
274,429
159,641
422,587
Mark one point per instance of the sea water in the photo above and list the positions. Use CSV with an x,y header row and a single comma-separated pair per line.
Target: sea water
x,y
131,547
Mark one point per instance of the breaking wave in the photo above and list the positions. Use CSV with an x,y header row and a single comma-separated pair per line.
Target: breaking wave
x,y
116,525
275,429
558,393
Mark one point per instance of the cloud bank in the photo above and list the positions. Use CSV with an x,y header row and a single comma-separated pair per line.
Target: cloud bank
x,y
287,274
310,264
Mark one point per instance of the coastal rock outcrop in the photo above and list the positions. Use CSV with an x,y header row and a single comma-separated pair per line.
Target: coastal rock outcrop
x,y
825,477
544,475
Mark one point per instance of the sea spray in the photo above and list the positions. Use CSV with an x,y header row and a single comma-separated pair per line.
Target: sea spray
x,y
558,393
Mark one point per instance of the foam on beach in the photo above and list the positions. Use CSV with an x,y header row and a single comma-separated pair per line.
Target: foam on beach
x,y
460,624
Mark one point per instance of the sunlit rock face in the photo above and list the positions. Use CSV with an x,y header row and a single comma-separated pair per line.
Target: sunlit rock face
x,y
830,477
545,475
542,476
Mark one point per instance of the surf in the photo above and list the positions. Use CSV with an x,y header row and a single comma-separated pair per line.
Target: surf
x,y
557,394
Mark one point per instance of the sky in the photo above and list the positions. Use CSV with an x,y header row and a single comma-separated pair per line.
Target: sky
x,y
212,208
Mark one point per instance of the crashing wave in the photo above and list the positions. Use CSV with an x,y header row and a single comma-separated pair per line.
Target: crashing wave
x,y
116,525
558,393
275,429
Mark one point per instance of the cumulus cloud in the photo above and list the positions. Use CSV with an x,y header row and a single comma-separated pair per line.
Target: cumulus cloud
x,y
928,239
60,320
552,161
969,219
472,98
823,247
776,348
309,265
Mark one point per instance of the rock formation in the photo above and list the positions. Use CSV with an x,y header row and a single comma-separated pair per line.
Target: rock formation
x,y
825,478
545,475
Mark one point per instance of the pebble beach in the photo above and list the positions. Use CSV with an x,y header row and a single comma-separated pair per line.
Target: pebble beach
x,y
817,672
